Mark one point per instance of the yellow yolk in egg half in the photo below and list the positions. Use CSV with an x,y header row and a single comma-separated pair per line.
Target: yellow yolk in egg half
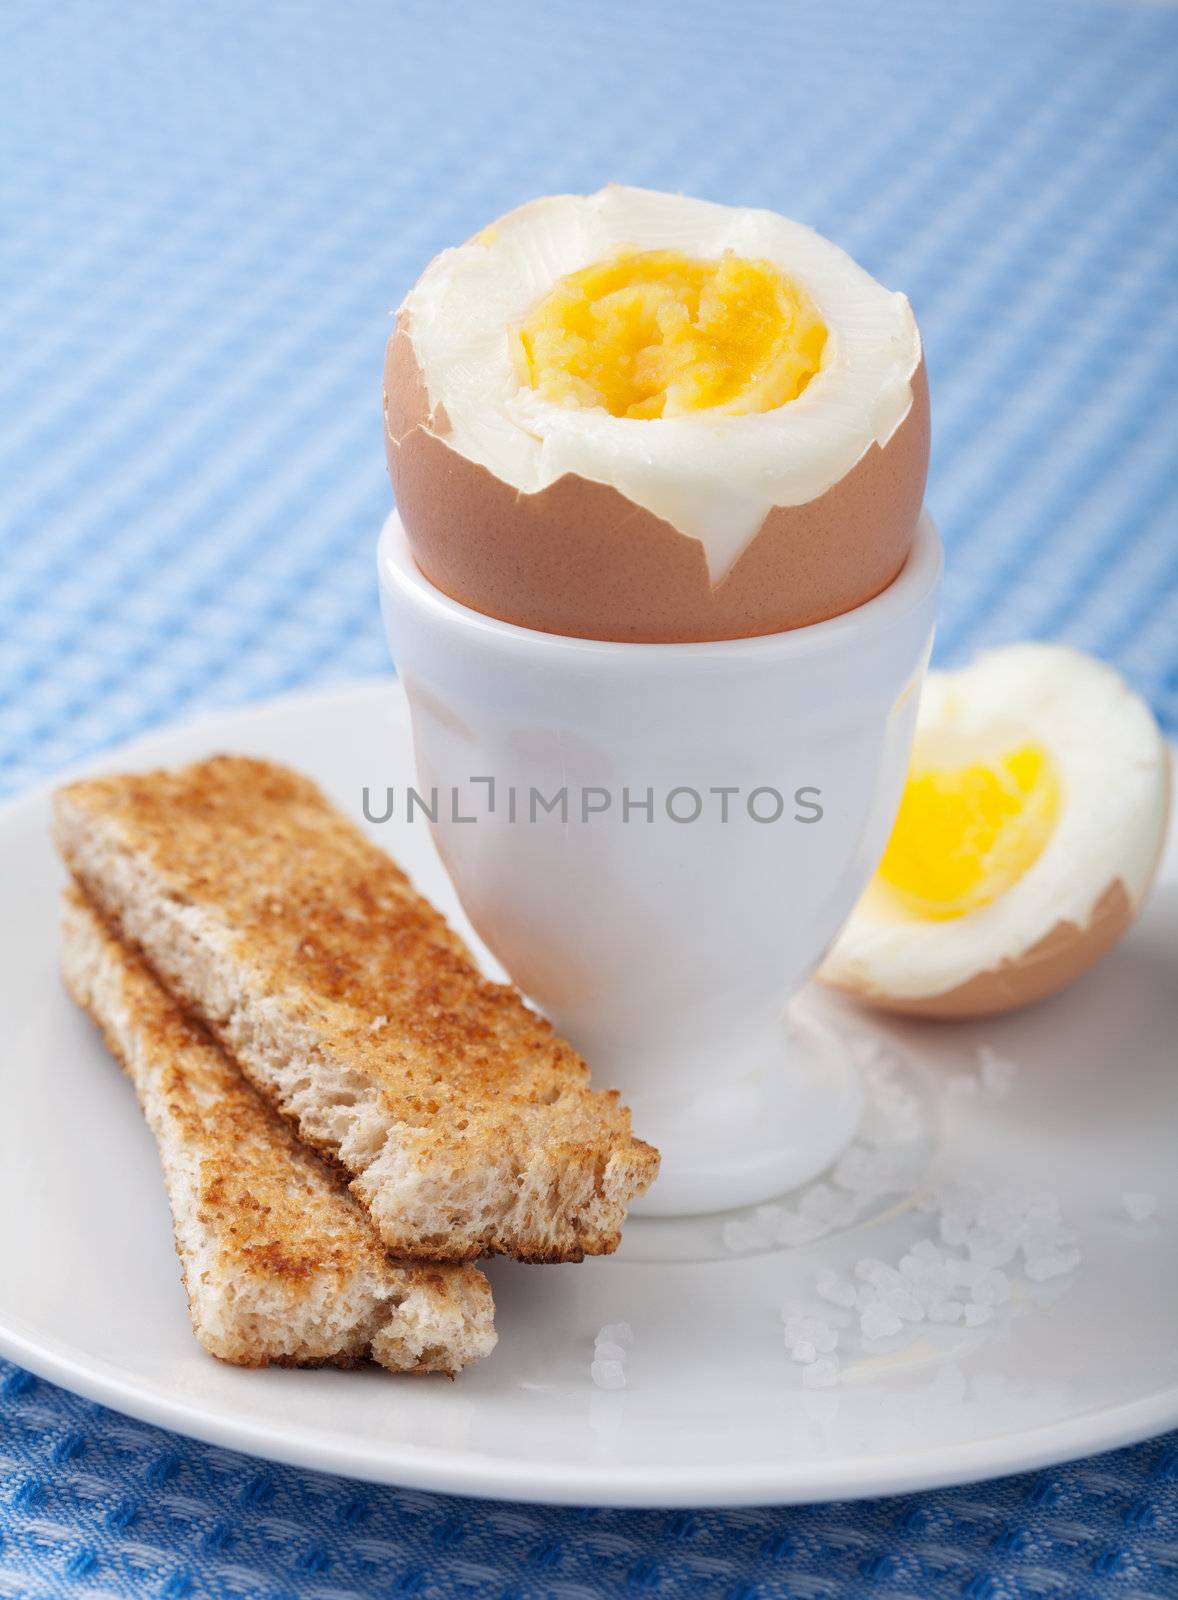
x,y
964,835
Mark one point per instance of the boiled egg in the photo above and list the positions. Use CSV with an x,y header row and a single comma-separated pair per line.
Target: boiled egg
x,y
1029,832
638,416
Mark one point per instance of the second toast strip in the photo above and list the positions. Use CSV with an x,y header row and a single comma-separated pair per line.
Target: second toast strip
x,y
280,1263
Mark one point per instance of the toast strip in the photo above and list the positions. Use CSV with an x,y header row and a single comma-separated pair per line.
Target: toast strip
x,y
280,1263
468,1126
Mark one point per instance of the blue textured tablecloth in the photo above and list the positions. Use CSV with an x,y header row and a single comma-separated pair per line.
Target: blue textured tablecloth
x,y
208,211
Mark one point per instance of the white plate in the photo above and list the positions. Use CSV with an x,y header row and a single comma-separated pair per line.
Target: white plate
x,y
714,1412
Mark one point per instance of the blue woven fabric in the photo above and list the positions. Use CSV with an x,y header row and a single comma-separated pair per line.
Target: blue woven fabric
x,y
98,1506
207,213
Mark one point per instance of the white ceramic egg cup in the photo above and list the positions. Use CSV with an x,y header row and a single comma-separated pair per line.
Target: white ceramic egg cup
x,y
659,842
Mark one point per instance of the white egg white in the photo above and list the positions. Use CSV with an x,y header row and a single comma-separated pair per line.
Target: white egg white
x,y
713,477
1113,770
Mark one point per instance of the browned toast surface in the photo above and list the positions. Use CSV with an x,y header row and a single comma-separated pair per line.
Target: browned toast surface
x,y
280,1263
469,1126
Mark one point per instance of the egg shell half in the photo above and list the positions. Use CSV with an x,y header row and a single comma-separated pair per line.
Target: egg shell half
x,y
1055,961
579,558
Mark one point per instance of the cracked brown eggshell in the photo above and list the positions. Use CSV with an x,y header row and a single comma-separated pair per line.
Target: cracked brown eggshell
x,y
579,558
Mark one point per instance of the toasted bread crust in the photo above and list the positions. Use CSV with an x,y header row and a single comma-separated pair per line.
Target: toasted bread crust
x,y
280,1263
469,1127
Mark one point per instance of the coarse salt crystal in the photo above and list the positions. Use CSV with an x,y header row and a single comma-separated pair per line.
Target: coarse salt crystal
x,y
1140,1205
975,1315
878,1273
1045,1239
811,1330
879,1321
822,1374
903,1303
920,1273
933,1294
932,1284
964,1274
1040,1268
946,1311
835,1289
993,1288
991,1247
802,1350
617,1333
607,1350
608,1374
797,1323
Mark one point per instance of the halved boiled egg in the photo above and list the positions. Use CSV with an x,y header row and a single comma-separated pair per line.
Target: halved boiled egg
x,y
1028,835
638,416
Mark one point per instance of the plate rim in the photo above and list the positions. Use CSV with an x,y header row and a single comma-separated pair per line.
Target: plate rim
x,y
478,1474
473,1474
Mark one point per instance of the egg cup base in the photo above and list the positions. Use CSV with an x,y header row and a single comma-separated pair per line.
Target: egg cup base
x,y
759,1136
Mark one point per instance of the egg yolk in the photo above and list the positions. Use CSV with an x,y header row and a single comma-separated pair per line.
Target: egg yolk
x,y
964,835
654,333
